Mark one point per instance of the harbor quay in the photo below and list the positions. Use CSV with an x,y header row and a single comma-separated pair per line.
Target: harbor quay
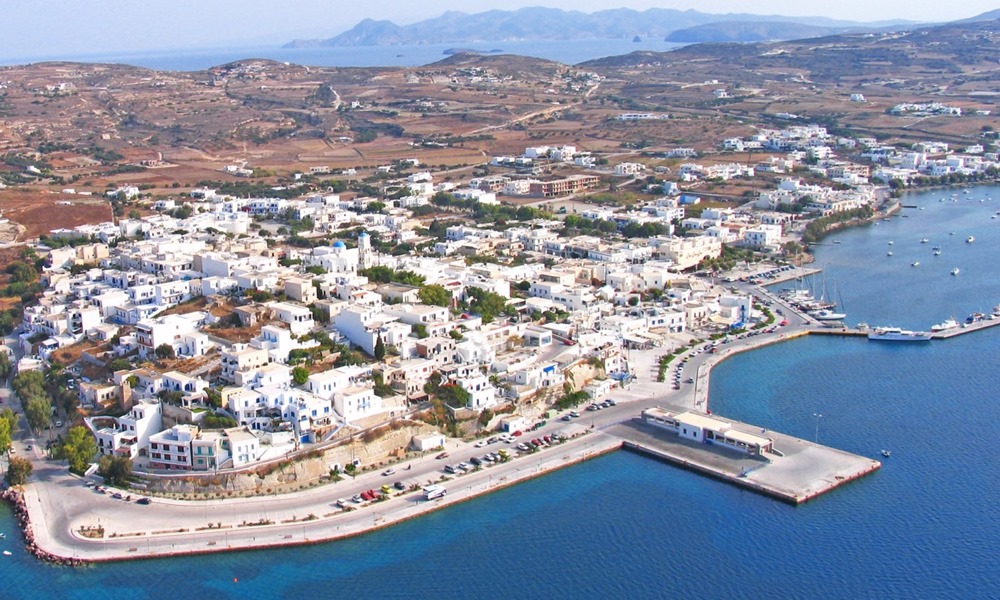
x,y
72,521
780,466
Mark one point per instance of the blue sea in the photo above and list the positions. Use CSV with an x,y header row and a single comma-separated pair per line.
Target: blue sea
x,y
565,51
623,526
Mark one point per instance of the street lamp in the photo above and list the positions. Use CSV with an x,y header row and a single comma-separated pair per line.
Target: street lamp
x,y
816,434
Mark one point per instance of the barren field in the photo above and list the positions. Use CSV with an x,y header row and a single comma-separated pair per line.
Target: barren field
x,y
41,212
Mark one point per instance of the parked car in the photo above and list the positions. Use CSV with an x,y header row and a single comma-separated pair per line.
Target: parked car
x,y
144,501
399,485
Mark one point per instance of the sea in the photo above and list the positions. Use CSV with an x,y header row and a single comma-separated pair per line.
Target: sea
x,y
568,52
624,526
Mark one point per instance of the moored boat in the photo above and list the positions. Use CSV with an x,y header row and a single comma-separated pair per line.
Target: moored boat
x,y
828,315
946,324
955,271
895,334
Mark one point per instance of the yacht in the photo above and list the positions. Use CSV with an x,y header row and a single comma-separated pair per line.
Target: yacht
x,y
828,315
895,334
955,271
947,324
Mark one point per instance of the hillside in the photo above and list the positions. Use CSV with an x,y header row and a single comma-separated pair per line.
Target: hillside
x,y
750,31
546,24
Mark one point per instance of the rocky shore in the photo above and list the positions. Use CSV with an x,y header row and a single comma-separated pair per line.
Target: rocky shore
x,y
16,500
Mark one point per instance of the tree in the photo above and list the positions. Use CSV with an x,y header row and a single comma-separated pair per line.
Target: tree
x,y
18,471
486,304
78,448
38,411
5,365
115,469
165,351
421,330
301,374
6,437
379,349
435,295
119,364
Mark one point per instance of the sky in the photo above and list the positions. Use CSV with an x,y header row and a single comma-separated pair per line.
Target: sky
x,y
72,28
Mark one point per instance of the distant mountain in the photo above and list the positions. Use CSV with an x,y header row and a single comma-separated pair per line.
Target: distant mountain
x,y
986,16
539,23
754,31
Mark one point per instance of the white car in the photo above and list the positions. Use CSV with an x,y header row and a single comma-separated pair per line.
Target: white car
x,y
388,472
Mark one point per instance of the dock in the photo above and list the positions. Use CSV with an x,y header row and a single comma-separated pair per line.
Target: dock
x,y
796,472
936,335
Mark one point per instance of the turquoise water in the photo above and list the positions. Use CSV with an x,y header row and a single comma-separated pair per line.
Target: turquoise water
x,y
625,526
564,51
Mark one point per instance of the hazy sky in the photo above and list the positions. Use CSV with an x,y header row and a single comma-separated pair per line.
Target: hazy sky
x,y
71,28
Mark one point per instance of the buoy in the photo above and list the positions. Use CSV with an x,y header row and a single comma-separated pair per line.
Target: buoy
x,y
236,579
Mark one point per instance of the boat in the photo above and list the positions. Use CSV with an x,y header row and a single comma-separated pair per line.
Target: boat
x,y
937,253
915,263
886,453
946,324
895,334
6,552
889,253
836,241
827,315
955,271
970,239
924,240
891,242
951,233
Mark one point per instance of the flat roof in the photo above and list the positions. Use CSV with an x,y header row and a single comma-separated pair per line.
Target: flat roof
x,y
747,438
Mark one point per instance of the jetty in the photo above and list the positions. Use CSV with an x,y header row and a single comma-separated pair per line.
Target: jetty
x,y
786,468
935,335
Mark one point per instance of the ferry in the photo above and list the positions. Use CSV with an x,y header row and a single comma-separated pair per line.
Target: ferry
x,y
947,324
895,334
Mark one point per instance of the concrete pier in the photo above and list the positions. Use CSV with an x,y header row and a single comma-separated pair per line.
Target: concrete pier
x,y
797,472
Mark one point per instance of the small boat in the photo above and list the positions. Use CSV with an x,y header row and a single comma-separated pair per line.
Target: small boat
x,y
891,242
886,453
915,263
3,536
836,241
970,239
6,552
889,253
947,324
924,240
937,253
955,271
951,233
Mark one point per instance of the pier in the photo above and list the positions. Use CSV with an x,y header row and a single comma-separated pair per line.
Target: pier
x,y
936,335
795,472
